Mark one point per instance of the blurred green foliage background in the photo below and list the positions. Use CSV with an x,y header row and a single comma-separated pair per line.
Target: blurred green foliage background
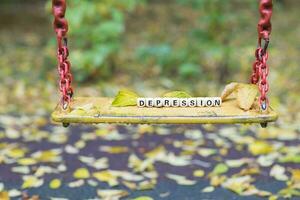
x,y
147,45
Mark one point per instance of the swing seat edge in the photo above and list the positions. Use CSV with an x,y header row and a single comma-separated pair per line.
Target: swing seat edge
x,y
99,110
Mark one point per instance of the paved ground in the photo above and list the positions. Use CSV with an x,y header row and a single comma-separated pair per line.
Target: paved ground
x,y
35,152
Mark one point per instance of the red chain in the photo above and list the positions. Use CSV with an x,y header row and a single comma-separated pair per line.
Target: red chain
x,y
64,66
260,67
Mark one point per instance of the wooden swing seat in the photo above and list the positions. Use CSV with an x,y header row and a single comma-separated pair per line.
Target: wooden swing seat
x,y
91,110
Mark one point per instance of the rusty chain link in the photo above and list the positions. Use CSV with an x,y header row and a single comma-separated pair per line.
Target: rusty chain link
x,y
260,67
64,65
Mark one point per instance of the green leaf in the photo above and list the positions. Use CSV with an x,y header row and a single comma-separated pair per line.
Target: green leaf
x,y
290,158
177,94
220,168
125,98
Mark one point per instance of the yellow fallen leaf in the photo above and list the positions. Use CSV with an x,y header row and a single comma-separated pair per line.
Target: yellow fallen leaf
x,y
139,165
154,152
4,195
81,173
130,185
199,173
220,168
80,144
125,98
47,156
273,197
55,184
295,175
289,192
16,153
147,185
181,180
102,132
143,198
145,128
112,194
246,94
114,149
106,176
229,89
27,161
249,171
217,180
30,181
259,148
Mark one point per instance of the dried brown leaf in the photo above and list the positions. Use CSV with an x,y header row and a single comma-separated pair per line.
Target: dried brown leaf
x,y
246,94
229,89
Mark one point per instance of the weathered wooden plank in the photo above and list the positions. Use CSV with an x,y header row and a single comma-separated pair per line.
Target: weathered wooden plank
x,y
99,110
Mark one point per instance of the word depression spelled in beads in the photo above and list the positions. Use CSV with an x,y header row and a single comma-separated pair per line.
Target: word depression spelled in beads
x,y
180,102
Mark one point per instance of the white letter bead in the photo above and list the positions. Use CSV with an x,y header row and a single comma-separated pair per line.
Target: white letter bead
x,y
192,102
167,102
149,102
175,102
184,102
141,102
200,102
209,102
217,101
158,102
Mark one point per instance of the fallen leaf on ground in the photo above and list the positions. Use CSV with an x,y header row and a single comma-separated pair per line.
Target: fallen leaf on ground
x,y
220,168
216,180
14,193
81,173
205,152
208,189
289,192
27,161
290,158
112,194
143,198
199,173
31,182
181,180
295,175
238,162
4,195
238,184
107,177
278,172
55,184
114,149
259,148
77,183
147,185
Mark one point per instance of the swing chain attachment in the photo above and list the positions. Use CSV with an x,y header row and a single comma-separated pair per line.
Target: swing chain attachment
x,y
260,67
64,66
